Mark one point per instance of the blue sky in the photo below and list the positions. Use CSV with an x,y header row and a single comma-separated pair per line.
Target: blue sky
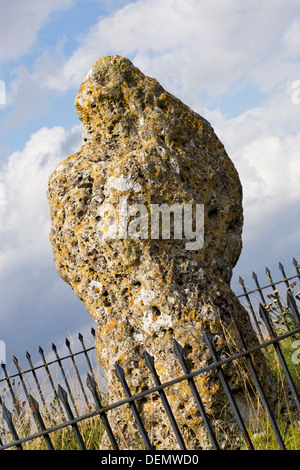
x,y
232,61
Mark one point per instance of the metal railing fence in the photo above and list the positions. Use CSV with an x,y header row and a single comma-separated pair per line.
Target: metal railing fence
x,y
271,295
40,379
32,388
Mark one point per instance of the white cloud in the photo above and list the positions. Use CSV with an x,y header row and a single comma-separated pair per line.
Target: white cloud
x,y
291,38
26,99
20,22
36,305
190,46
24,211
266,156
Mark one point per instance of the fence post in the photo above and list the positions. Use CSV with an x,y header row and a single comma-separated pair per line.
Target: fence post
x,y
275,291
93,388
64,377
50,379
121,376
179,353
21,375
242,283
63,396
7,416
68,344
15,400
295,263
254,277
80,337
284,275
34,406
207,338
28,357
149,361
293,308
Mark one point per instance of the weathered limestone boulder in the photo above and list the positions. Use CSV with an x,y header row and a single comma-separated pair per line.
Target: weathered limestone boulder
x,y
144,146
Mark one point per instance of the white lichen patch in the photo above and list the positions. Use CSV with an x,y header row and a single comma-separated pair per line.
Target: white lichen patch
x,y
145,297
95,288
121,183
156,324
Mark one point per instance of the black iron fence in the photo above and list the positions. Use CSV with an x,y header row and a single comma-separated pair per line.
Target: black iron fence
x,y
25,390
41,378
271,295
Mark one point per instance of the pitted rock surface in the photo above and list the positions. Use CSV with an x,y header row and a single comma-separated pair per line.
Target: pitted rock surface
x,y
143,144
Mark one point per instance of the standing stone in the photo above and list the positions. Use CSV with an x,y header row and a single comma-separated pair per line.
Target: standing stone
x,y
144,146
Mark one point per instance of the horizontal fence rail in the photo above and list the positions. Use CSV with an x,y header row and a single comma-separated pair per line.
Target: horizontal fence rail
x,y
90,387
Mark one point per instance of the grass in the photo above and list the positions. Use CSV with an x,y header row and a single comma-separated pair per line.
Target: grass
x,y
287,418
53,413
91,431
263,436
261,432
284,321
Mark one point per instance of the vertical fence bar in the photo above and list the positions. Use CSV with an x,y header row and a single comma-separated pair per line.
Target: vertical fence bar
x,y
242,283
281,267
63,396
266,319
259,388
149,360
207,337
93,388
21,376
50,379
76,371
121,376
179,353
7,416
1,404
295,263
28,357
259,289
293,308
80,337
15,400
275,291
34,406
64,377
